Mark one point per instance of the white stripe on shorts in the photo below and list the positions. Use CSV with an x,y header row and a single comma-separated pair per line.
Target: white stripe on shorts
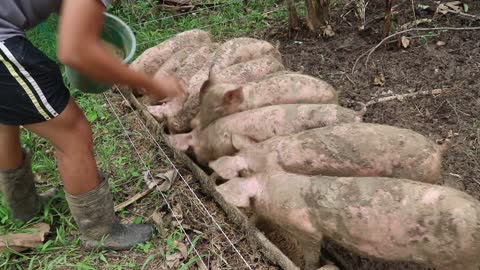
x,y
29,78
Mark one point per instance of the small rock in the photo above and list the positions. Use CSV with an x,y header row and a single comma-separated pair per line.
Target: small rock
x,y
441,43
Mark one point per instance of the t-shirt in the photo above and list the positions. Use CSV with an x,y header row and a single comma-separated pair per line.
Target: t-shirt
x,y
17,16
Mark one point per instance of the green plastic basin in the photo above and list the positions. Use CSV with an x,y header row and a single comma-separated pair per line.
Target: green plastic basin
x,y
116,32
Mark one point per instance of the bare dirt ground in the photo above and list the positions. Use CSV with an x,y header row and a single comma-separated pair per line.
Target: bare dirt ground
x,y
423,66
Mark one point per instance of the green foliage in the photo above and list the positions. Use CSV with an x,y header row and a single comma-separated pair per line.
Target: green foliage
x,y
113,151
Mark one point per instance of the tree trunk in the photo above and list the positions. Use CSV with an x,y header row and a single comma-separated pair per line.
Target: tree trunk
x,y
323,9
387,18
313,20
293,19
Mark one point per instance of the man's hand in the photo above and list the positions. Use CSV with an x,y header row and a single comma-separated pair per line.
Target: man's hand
x,y
166,89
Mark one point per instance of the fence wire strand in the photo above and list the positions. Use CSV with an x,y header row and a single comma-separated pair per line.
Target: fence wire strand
x,y
152,178
154,140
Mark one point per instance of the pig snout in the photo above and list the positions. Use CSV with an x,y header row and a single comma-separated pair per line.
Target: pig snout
x,y
229,167
181,142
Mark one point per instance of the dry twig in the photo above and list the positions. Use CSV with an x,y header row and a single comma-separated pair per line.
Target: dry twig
x,y
370,51
401,97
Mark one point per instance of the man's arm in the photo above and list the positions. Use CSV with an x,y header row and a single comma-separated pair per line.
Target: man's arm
x,y
79,47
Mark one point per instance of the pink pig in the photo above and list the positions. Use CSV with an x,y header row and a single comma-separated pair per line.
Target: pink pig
x,y
231,133
218,100
350,149
391,219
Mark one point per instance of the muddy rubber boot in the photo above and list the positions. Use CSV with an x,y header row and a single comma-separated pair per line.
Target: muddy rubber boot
x,y
18,190
99,227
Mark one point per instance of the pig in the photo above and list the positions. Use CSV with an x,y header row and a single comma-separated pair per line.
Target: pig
x,y
229,134
168,69
219,100
240,50
398,220
249,71
185,66
240,73
153,58
350,149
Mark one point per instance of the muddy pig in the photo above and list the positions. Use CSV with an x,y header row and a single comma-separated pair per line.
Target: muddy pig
x,y
229,134
218,100
352,149
239,50
240,73
385,218
153,58
169,68
185,65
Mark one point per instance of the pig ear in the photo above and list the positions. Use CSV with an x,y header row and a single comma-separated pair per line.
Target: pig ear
x,y
234,96
181,141
205,86
239,191
240,142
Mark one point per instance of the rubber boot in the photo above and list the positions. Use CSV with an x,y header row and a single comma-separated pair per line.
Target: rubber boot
x,y
18,189
99,227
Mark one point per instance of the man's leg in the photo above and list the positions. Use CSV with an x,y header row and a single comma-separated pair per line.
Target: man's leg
x,y
11,155
89,199
71,135
16,177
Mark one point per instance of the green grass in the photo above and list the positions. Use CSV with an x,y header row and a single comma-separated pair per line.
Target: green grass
x,y
113,151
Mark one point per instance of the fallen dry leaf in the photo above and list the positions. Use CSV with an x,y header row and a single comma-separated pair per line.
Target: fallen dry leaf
x,y
177,214
182,248
405,42
24,241
379,80
169,178
455,6
328,31
173,260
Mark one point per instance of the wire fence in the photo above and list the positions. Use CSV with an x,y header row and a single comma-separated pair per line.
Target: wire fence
x,y
240,18
235,19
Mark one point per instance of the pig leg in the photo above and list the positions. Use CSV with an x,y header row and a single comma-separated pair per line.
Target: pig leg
x,y
311,252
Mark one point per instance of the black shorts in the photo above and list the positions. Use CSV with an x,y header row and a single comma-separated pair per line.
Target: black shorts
x,y
31,85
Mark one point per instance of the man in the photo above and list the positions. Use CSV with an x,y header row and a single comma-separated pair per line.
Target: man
x,y
32,95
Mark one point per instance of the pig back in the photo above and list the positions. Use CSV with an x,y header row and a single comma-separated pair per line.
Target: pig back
x,y
396,219
240,50
153,58
362,149
229,134
384,218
